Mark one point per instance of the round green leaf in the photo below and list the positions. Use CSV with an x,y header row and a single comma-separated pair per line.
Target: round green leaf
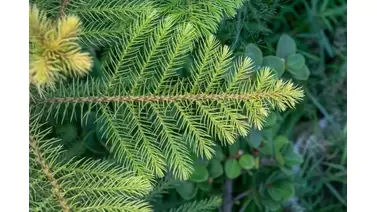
x,y
74,149
233,148
67,133
266,149
268,134
279,158
219,155
91,142
215,168
270,204
201,161
205,186
286,46
292,158
186,189
247,161
295,61
270,121
300,73
198,160
276,193
287,170
200,174
252,51
276,63
232,168
89,122
289,190
254,138
281,191
280,142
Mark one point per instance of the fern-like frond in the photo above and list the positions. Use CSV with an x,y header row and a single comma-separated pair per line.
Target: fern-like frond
x,y
204,15
83,185
206,205
115,131
120,57
106,20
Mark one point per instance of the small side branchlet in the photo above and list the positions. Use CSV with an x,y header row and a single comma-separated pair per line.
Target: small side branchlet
x,y
54,51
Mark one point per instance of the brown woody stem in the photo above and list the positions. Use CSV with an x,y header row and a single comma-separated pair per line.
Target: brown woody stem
x,y
56,190
63,6
155,98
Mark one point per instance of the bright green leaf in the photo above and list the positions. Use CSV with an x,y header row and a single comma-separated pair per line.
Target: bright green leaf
x,y
276,63
295,61
186,189
302,73
287,188
205,186
215,168
232,168
292,158
270,204
233,148
201,161
254,138
286,46
287,170
279,158
219,155
276,193
252,51
198,160
268,134
270,121
280,142
91,142
247,161
266,149
200,173
281,191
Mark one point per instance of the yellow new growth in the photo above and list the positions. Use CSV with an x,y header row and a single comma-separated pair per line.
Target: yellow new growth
x,y
54,51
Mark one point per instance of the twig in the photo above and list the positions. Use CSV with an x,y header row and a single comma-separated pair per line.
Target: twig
x,y
63,6
238,31
242,195
244,206
228,196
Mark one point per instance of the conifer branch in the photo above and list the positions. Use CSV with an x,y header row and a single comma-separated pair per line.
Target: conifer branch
x,y
205,205
56,189
156,98
81,184
149,114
